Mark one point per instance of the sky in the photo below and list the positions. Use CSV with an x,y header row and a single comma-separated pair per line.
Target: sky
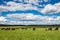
x,y
30,12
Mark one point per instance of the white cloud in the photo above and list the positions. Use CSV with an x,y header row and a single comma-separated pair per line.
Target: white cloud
x,y
32,1
31,19
27,1
50,9
2,18
2,9
24,16
13,6
31,16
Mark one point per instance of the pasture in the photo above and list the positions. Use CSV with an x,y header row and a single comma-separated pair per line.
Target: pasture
x,y
38,33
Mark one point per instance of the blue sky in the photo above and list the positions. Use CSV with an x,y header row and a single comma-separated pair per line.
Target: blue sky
x,y
30,12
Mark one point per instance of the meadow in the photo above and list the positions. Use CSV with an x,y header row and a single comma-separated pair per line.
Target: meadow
x,y
30,34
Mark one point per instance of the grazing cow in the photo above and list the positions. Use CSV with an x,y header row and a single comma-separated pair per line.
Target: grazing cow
x,y
22,28
56,28
34,29
13,28
2,28
7,29
49,28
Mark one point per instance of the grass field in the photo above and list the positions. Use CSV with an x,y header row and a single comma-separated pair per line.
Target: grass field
x,y
30,34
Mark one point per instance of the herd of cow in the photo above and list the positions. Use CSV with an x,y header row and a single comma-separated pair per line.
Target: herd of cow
x,y
51,28
26,28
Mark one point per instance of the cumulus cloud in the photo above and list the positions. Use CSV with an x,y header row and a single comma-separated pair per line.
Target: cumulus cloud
x,y
50,9
27,1
31,19
35,2
25,16
32,1
2,9
31,16
13,6
3,18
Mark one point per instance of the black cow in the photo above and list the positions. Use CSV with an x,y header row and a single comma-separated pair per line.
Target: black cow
x,y
2,28
13,28
56,28
22,28
34,29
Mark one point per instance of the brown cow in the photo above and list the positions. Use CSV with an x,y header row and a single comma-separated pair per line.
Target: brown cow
x,y
7,29
49,28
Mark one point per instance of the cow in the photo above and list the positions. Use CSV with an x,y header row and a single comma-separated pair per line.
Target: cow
x,y
56,28
34,29
22,28
49,28
7,29
13,28
2,28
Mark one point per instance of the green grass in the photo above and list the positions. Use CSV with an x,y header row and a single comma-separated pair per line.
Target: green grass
x,y
29,34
